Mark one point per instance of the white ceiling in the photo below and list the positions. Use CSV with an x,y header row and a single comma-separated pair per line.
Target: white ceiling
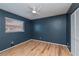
x,y
46,9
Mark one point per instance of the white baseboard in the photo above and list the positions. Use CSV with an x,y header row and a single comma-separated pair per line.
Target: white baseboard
x,y
50,42
15,45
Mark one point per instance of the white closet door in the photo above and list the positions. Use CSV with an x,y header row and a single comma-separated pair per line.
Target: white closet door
x,y
73,33
77,32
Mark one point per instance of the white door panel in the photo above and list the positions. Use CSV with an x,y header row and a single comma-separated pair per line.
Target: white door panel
x,y
73,33
77,32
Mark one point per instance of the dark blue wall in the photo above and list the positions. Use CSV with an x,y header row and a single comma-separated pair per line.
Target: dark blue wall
x,y
68,31
17,37
51,29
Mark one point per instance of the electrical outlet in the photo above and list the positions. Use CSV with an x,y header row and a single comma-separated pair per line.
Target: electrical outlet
x,y
12,43
67,43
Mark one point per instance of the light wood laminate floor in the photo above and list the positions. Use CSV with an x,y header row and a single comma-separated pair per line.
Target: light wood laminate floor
x,y
37,48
